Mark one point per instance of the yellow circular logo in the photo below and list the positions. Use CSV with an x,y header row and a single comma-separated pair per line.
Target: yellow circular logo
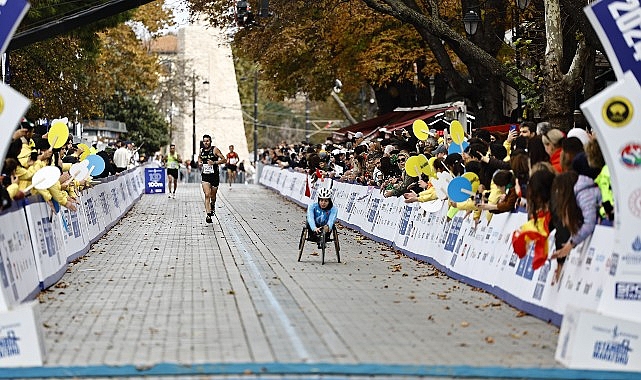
x,y
617,111
1,104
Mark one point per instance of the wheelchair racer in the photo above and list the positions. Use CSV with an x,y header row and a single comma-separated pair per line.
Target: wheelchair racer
x,y
321,216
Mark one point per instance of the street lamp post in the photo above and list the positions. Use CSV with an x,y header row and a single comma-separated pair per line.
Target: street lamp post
x,y
255,117
193,115
306,118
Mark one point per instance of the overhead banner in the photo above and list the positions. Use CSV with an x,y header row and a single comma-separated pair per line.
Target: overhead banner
x,y
12,107
617,24
615,114
11,14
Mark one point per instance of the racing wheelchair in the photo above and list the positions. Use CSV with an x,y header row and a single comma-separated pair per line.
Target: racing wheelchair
x,y
322,239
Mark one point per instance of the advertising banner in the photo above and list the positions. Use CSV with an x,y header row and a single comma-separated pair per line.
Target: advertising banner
x,y
11,14
615,114
93,210
73,234
18,270
21,341
46,238
386,226
589,340
12,106
616,22
154,181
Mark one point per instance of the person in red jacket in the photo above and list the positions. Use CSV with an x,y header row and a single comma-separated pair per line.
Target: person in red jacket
x,y
231,165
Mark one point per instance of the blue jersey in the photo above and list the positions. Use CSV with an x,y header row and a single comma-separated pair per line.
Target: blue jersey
x,y
317,217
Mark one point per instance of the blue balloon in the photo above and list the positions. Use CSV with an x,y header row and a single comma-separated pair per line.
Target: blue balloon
x,y
459,189
97,162
465,144
454,148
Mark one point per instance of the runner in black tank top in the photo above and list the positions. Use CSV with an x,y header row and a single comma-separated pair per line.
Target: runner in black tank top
x,y
208,160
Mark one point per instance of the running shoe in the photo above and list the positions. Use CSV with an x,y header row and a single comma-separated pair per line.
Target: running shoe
x,y
208,219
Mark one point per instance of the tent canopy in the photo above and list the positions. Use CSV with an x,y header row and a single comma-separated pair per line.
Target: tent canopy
x,y
400,118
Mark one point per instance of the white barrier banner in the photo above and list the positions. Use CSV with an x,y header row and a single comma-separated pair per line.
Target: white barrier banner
x,y
406,227
386,226
358,206
73,236
589,340
341,193
118,206
46,238
21,341
18,270
93,211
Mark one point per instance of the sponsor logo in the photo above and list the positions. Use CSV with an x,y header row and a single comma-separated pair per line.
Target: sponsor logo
x,y
9,345
636,244
617,111
615,350
630,291
631,155
612,351
634,203
155,176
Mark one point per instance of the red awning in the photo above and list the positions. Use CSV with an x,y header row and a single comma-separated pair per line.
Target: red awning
x,y
391,121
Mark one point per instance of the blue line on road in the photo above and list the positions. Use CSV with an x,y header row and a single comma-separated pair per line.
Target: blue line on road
x,y
314,369
287,325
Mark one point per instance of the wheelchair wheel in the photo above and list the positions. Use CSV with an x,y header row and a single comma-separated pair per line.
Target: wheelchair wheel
x,y
301,243
336,245
322,238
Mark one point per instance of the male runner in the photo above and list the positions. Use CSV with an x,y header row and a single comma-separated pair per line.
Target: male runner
x,y
172,163
231,165
208,160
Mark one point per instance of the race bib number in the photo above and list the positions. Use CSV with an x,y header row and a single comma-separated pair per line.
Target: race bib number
x,y
208,169
172,165
233,161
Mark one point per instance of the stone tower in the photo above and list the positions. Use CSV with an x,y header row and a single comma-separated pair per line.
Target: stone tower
x,y
210,65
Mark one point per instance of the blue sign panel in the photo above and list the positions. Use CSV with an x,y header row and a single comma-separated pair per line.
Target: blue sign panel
x,y
154,180
11,13
618,25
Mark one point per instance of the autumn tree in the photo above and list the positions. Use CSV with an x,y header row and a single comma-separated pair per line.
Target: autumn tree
x,y
306,46
145,125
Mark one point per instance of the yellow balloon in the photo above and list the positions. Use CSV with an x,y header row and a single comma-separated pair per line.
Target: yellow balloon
x,y
426,168
85,151
414,164
58,134
474,180
420,129
456,130
432,168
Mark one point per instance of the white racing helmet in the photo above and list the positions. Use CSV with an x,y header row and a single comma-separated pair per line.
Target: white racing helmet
x,y
325,193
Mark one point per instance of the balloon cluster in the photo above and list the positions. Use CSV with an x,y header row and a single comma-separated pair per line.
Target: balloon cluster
x,y
456,189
